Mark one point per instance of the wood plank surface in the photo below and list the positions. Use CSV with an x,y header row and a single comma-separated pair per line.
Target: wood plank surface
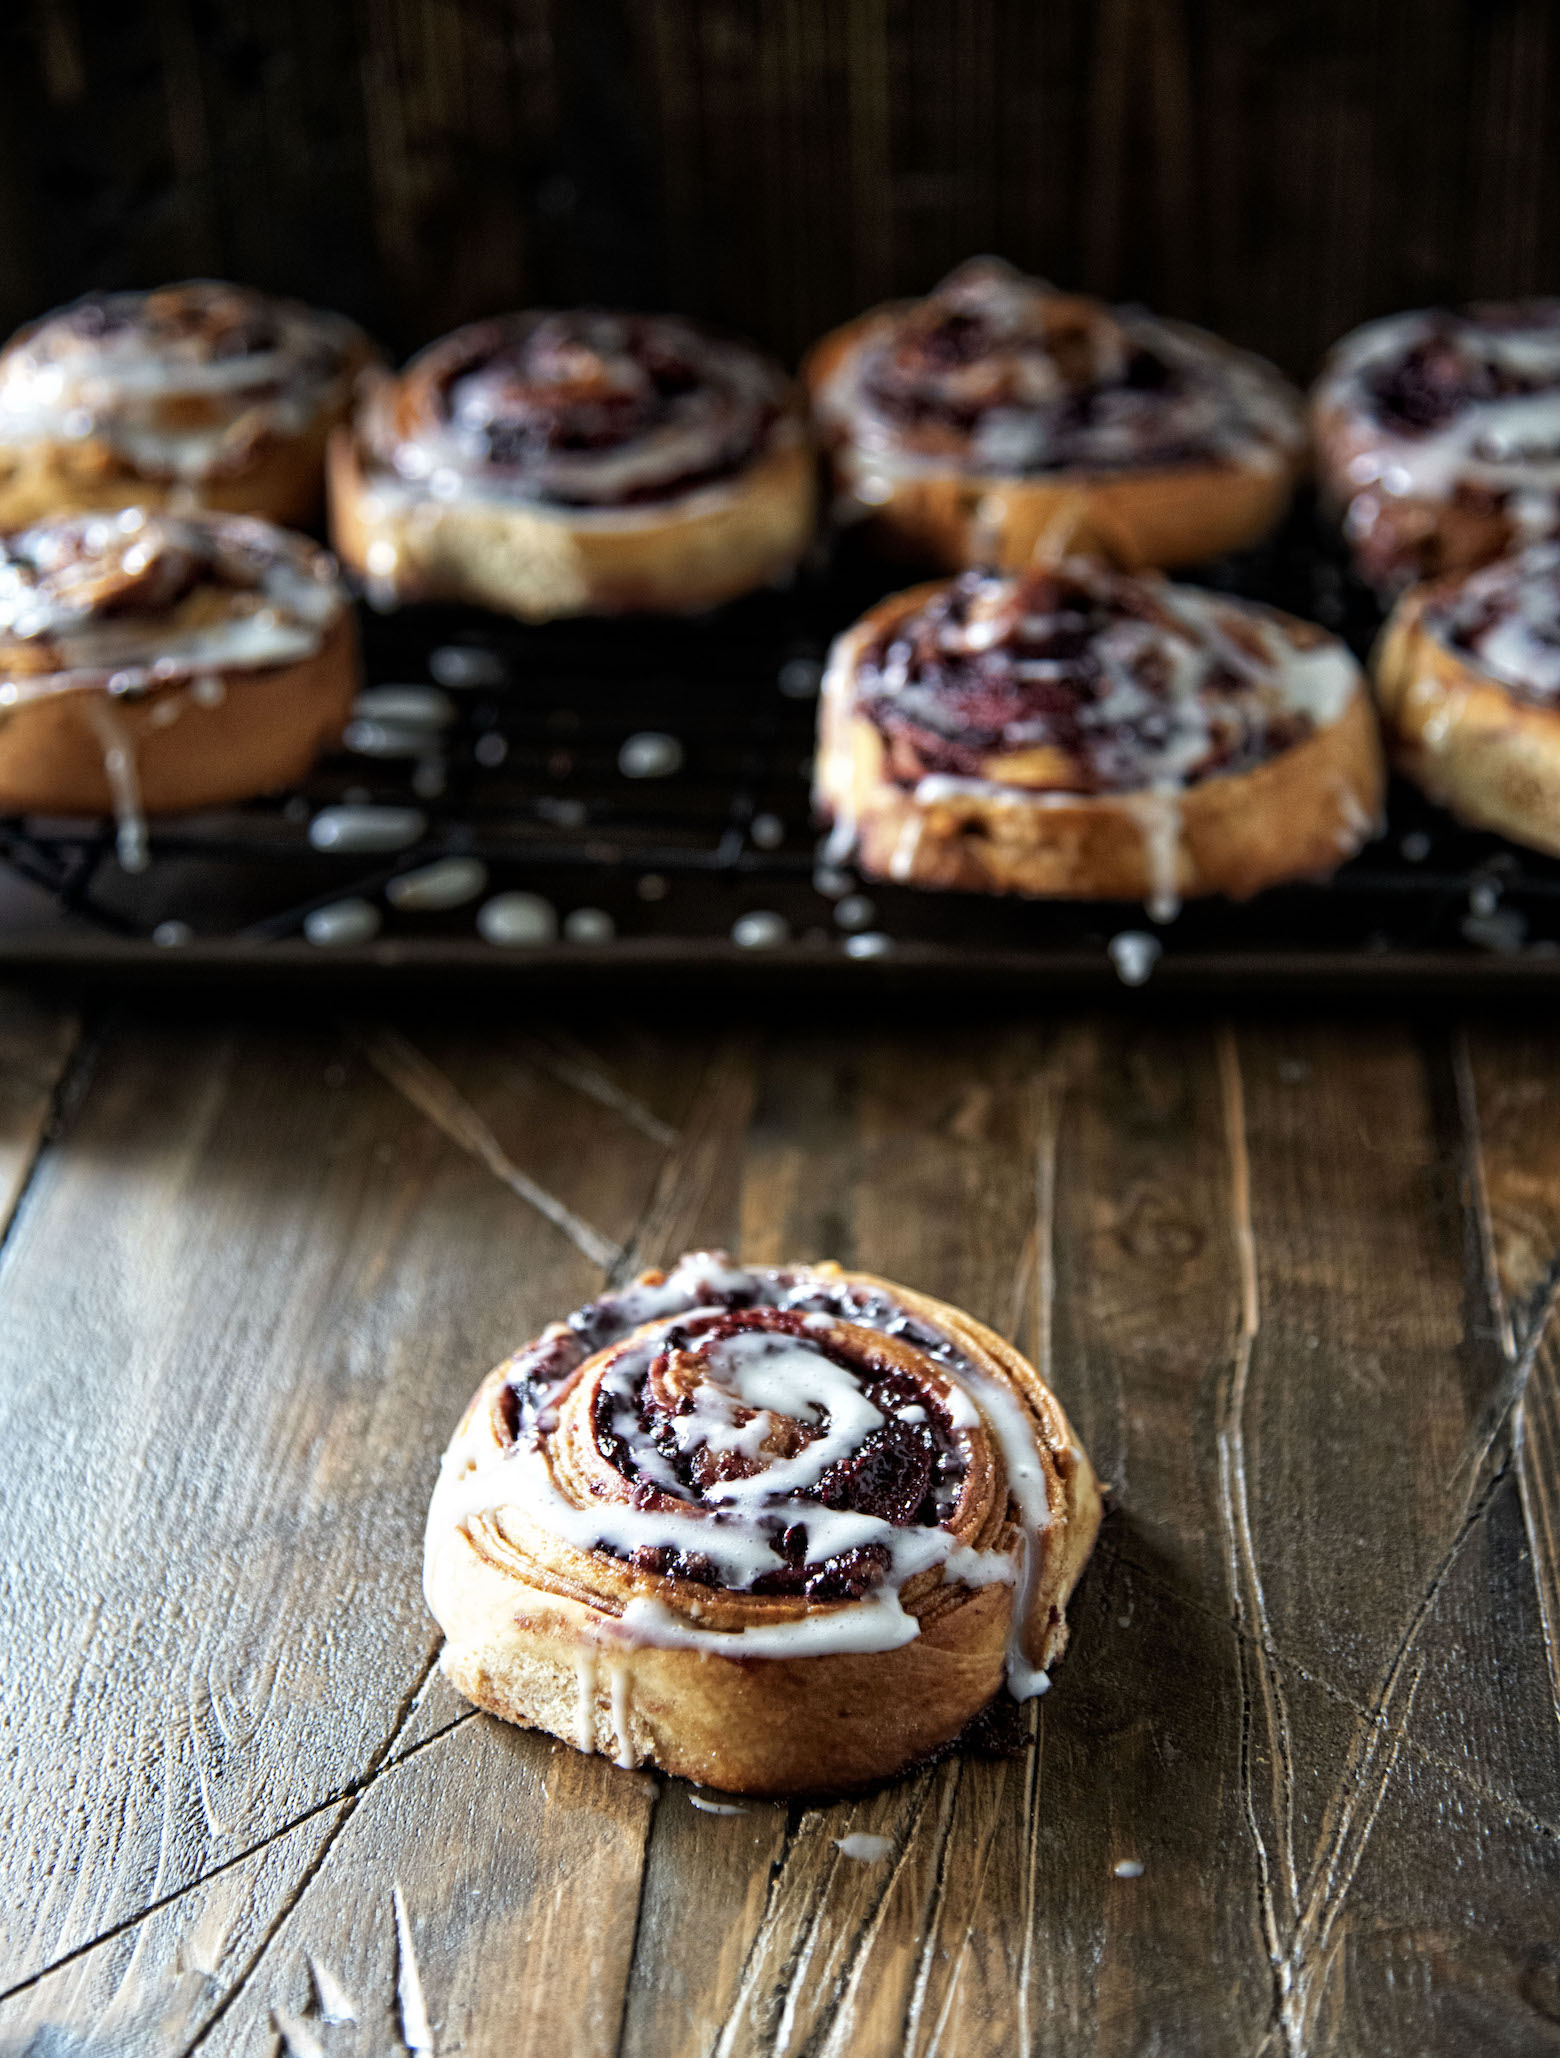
x,y
1278,172
1294,1281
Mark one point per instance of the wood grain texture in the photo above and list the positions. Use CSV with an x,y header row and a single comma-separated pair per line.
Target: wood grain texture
x,y
37,1040
1293,1283
1279,171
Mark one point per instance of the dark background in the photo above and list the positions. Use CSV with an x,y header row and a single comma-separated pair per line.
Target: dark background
x,y
1277,171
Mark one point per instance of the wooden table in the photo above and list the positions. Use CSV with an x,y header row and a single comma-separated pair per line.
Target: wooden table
x,y
1293,1281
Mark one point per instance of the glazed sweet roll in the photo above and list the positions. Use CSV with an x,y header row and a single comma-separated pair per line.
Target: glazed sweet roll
x,y
777,1530
961,425
151,662
562,464
1080,731
199,394
1468,678
1438,437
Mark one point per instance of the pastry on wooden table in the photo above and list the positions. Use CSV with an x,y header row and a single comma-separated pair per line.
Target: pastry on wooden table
x,y
202,394
1081,731
1468,680
961,424
577,463
1438,437
777,1530
153,662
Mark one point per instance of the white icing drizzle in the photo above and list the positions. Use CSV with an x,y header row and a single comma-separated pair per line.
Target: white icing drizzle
x,y
468,418
1505,621
124,785
865,1848
618,1675
129,370
1508,444
715,1807
133,601
736,1385
1174,686
1215,403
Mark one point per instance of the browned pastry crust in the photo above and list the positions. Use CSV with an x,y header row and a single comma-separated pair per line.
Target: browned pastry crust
x,y
270,463
248,732
151,663
738,517
955,512
536,1633
542,564
1295,816
1475,746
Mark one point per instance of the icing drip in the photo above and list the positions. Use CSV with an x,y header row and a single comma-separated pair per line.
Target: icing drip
x,y
119,768
1076,679
1002,375
182,383
754,1431
581,410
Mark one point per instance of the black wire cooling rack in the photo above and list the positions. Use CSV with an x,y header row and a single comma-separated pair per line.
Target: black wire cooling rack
x,y
630,799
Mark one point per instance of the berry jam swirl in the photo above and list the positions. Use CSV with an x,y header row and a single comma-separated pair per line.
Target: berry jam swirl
x,y
182,383
1077,679
1505,620
578,410
808,1421
1001,375
133,599
1447,406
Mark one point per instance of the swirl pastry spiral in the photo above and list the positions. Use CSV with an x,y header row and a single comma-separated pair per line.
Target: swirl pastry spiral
x,y
777,1530
1468,679
961,425
151,662
198,394
1438,437
575,463
1080,731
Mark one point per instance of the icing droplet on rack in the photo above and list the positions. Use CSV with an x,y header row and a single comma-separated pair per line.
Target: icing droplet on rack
x,y
421,707
516,920
650,754
490,750
589,925
760,930
367,829
872,943
767,831
855,911
458,664
864,1848
1128,1868
447,883
1134,953
800,678
169,935
342,922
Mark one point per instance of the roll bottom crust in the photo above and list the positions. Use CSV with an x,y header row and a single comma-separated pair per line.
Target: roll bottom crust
x,y
283,481
765,1726
264,731
1297,816
692,553
1464,738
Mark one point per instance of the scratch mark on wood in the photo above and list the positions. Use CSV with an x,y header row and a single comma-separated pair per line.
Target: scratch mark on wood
x,y
1478,1193
720,1112
300,2039
1255,1653
336,2004
576,1066
405,1068
415,2033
